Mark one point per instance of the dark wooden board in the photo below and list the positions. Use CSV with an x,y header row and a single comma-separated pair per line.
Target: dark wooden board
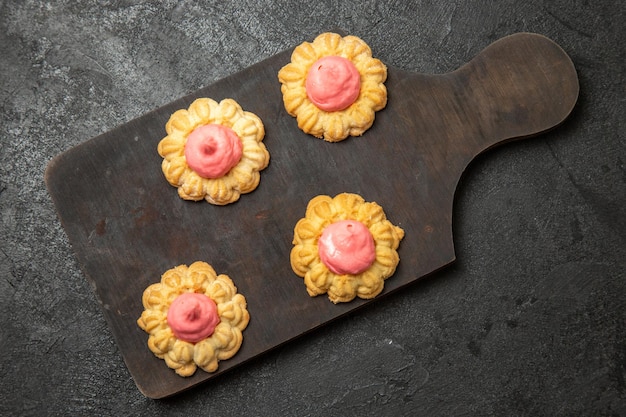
x,y
127,225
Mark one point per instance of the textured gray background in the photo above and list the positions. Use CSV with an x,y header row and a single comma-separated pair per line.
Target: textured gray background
x,y
529,321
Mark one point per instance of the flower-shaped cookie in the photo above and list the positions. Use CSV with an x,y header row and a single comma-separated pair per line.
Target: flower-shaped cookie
x,y
213,151
345,247
333,86
194,317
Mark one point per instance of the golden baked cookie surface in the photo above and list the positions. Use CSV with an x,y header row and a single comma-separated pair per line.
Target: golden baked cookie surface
x,y
334,126
243,178
182,356
318,278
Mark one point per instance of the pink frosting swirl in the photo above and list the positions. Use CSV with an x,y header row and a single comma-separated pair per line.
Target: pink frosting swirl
x,y
333,83
347,247
192,317
212,150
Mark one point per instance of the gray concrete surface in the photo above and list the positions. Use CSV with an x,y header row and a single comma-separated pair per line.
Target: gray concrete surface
x,y
531,318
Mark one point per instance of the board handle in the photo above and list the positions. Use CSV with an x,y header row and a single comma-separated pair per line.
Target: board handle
x,y
519,86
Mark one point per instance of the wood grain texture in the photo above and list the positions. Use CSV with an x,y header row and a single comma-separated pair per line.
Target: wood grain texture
x,y
127,225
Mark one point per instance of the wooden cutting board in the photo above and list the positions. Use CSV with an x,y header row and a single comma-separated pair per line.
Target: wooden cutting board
x,y
127,225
